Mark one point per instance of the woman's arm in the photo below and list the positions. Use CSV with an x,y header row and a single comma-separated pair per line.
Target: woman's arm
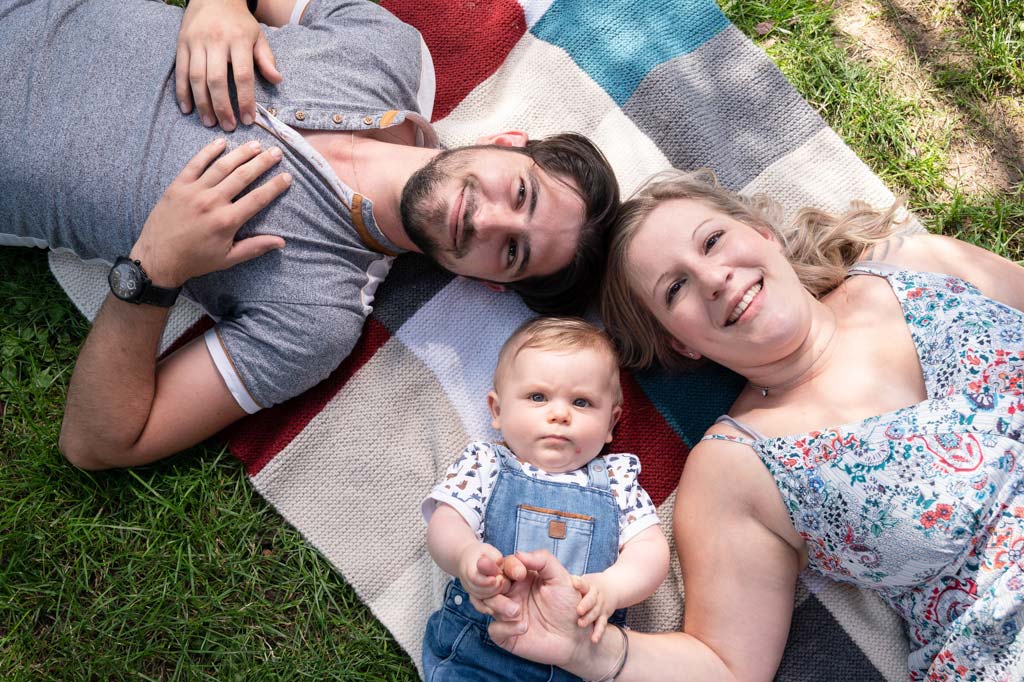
x,y
739,562
996,277
739,557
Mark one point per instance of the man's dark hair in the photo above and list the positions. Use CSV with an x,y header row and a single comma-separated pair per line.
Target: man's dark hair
x,y
569,291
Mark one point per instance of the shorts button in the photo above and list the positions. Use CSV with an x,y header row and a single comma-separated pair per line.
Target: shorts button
x,y
337,118
272,111
367,120
300,115
458,600
597,467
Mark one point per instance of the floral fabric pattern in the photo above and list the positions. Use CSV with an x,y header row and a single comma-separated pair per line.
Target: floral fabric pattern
x,y
926,504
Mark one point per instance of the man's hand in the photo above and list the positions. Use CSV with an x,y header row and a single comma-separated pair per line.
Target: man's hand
x,y
191,230
547,596
598,603
213,34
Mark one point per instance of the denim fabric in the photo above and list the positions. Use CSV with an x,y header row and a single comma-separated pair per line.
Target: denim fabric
x,y
577,524
457,648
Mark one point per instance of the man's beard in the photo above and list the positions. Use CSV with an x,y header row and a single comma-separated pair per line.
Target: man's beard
x,y
425,213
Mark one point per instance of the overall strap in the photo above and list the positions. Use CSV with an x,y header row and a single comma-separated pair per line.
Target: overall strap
x,y
505,458
597,473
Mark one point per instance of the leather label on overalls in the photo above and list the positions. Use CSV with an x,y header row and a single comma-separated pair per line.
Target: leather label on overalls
x,y
556,530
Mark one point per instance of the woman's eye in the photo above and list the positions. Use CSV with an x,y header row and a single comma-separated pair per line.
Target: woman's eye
x,y
673,289
536,397
521,197
712,239
513,251
581,402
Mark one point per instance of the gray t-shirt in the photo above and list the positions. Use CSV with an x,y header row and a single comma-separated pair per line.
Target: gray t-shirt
x,y
91,136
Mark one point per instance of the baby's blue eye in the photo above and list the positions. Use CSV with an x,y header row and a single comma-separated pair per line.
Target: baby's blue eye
x,y
581,402
537,397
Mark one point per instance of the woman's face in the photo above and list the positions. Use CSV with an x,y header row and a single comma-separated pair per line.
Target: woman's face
x,y
721,288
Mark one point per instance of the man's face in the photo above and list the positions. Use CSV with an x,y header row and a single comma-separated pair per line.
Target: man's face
x,y
492,214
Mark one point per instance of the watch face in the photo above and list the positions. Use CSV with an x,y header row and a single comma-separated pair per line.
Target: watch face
x,y
125,280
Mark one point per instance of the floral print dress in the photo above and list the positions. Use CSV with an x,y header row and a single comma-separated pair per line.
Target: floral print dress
x,y
925,504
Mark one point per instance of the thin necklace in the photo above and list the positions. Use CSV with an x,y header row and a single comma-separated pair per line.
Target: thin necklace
x,y
352,152
801,375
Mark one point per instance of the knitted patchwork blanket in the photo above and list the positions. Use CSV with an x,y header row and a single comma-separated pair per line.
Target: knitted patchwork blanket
x,y
655,84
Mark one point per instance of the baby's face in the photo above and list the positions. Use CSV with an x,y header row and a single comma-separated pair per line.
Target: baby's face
x,y
555,409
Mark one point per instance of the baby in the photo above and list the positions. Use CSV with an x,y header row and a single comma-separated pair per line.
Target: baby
x,y
556,399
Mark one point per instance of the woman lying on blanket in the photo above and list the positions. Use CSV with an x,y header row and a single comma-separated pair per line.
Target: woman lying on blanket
x,y
878,439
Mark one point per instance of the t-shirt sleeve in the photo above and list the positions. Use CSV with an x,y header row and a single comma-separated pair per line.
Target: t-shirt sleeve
x,y
466,485
272,352
371,35
636,509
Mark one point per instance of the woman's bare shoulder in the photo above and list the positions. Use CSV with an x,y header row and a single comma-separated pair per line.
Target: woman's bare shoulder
x,y
994,275
726,479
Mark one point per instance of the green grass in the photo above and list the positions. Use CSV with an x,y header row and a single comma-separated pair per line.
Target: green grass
x,y
179,571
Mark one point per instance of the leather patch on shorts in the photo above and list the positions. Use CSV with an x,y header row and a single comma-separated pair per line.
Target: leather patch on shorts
x,y
556,530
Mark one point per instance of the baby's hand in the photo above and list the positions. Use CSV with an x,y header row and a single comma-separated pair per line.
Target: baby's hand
x,y
480,571
597,605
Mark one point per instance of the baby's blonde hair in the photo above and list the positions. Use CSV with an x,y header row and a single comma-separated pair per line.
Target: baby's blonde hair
x,y
560,334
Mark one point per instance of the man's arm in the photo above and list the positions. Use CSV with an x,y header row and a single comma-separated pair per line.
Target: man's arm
x,y
213,34
123,409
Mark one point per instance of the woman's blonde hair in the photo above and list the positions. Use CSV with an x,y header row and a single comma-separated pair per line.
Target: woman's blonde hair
x,y
819,245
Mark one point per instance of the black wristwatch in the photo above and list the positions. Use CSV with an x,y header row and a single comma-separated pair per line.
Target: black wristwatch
x,y
129,282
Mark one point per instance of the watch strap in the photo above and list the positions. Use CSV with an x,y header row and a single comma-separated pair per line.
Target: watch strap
x,y
149,293
158,296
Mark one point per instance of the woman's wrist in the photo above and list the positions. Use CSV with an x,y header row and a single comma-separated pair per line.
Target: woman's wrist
x,y
601,661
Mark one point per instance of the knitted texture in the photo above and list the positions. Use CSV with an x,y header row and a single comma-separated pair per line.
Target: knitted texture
x,y
655,84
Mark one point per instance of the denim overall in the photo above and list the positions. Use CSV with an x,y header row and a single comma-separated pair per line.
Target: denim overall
x,y
579,525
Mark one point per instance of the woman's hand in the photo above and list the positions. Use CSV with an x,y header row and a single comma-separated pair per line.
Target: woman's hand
x,y
191,230
545,628
213,34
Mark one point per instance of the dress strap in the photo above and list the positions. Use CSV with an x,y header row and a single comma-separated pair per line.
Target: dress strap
x,y
748,431
873,267
732,439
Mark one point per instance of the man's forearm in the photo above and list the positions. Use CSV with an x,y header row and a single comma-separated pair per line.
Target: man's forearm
x,y
112,388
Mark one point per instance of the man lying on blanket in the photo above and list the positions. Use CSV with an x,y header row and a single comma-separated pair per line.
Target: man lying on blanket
x,y
93,102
